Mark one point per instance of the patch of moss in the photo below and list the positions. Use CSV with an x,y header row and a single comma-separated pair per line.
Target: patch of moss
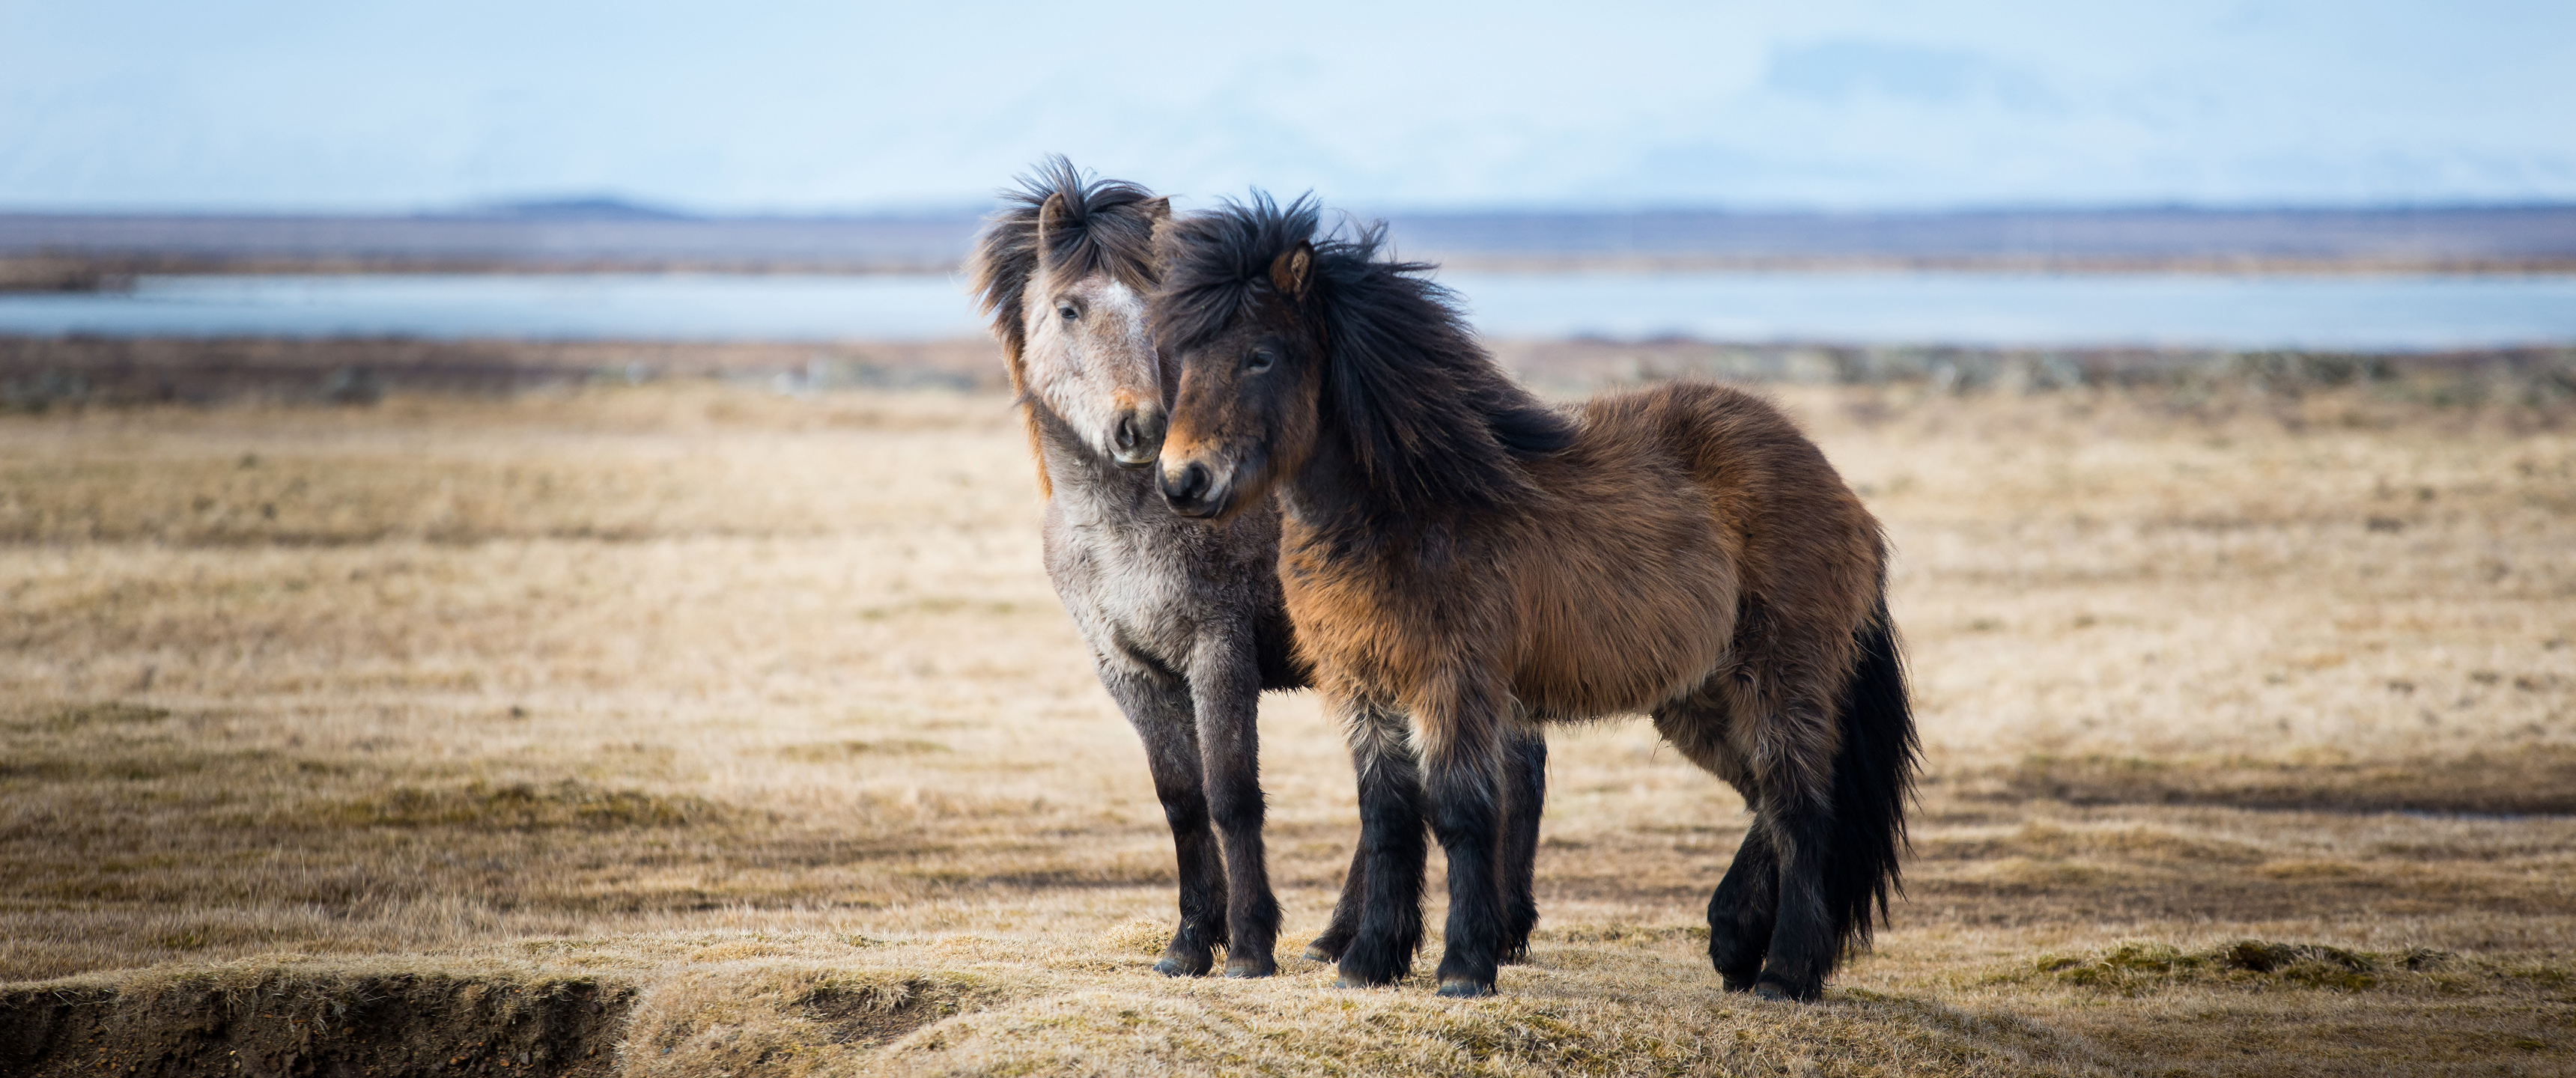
x,y
2537,779
2139,967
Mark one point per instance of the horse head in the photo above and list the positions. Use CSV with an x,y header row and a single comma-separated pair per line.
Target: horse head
x,y
1063,272
1295,349
1238,324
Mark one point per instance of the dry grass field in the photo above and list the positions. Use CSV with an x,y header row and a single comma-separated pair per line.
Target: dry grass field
x,y
685,729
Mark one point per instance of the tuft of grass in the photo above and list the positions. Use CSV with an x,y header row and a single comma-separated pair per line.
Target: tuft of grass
x,y
838,751
72,717
1135,938
788,1020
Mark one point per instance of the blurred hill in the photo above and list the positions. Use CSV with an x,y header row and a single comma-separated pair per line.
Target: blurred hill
x,y
591,234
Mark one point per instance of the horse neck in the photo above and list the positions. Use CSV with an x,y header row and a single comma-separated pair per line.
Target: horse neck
x,y
1079,473
1335,492
1334,500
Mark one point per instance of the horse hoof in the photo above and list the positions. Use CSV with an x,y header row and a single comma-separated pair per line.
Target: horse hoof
x,y
1464,988
1249,968
1317,952
1770,989
1173,967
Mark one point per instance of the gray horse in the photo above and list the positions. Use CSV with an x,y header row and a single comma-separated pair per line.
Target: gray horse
x,y
1184,619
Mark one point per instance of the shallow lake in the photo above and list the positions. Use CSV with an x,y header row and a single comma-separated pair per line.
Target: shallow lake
x,y
2345,312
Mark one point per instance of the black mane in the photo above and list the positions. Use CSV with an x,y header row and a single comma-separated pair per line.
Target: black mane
x,y
1105,226
1425,412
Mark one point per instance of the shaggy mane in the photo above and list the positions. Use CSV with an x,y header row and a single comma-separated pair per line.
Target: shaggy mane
x,y
1423,409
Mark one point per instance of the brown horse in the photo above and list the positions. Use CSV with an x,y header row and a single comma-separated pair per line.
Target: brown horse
x,y
1461,560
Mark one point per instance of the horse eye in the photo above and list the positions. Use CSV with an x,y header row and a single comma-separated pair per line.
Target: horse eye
x,y
1260,360
1069,311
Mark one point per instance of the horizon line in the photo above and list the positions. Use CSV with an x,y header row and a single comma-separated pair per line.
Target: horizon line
x,y
608,209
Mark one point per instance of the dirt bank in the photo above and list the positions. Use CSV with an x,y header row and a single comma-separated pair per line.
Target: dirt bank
x,y
280,1023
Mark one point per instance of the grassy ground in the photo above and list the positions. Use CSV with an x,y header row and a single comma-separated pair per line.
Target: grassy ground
x,y
689,730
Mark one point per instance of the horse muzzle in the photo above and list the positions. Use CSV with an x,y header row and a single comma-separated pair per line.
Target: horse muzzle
x,y
1136,436
1192,490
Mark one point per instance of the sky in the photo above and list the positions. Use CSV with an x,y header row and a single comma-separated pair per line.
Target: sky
x,y
805,107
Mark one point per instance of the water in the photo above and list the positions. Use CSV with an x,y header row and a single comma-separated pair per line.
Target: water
x,y
2339,312
2336,312
563,307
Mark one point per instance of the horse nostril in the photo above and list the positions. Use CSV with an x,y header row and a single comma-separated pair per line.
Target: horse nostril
x,y
1188,487
1127,436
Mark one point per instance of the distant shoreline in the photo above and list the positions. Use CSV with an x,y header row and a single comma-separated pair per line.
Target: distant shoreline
x,y
91,252
55,274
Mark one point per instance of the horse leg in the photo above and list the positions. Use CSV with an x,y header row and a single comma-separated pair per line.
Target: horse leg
x,y
1388,868
1346,912
1794,790
1741,913
1745,907
1462,779
1803,943
1161,715
1526,784
1226,687
1525,794
1841,834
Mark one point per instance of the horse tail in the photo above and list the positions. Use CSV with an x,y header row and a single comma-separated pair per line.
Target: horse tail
x,y
1873,779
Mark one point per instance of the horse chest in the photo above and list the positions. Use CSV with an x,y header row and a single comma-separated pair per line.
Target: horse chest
x,y
1131,597
1361,629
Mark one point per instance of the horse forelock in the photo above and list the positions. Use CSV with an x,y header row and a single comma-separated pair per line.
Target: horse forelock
x,y
1426,412
1103,226
1217,264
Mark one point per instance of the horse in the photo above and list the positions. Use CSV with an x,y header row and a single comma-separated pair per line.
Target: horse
x,y
1463,563
1185,621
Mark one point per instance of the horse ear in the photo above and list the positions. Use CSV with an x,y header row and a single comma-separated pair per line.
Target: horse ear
x,y
1050,218
1293,269
1158,220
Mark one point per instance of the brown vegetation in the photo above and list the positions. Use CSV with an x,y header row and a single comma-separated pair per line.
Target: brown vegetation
x,y
20,273
43,373
724,731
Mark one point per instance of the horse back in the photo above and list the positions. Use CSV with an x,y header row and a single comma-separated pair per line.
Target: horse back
x,y
1809,557
1679,519
1626,576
